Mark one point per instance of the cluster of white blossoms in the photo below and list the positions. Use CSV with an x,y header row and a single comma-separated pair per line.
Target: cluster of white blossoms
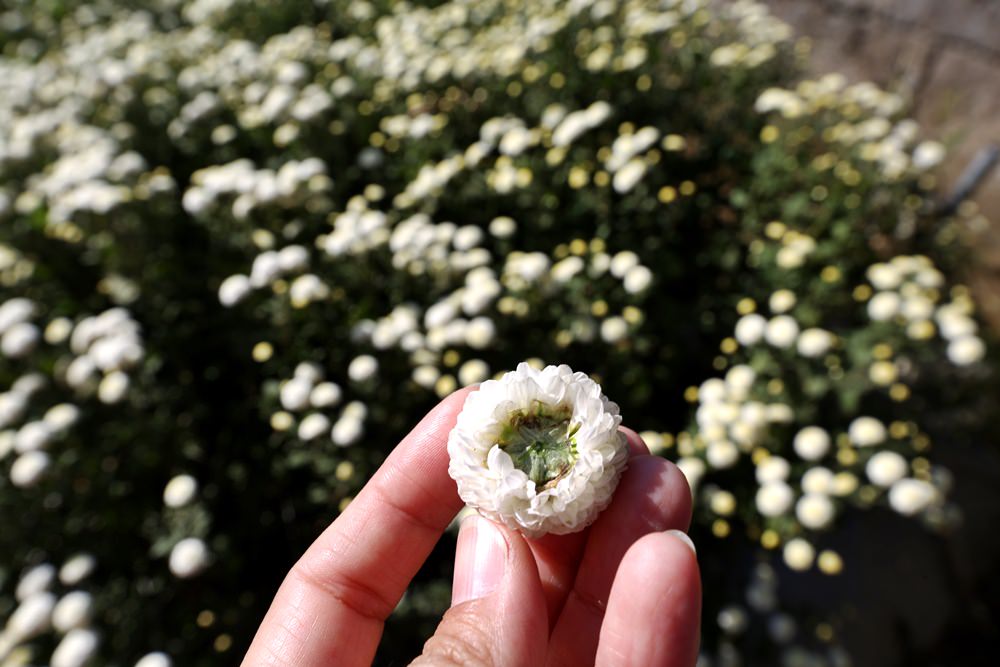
x,y
51,602
307,398
538,450
105,348
874,136
18,334
240,189
907,290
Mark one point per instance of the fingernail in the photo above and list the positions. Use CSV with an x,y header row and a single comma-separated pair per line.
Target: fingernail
x,y
685,538
480,560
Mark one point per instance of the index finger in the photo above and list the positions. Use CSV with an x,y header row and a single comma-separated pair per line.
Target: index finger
x,y
331,607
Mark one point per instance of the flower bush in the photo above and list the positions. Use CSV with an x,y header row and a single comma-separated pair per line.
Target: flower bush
x,y
245,245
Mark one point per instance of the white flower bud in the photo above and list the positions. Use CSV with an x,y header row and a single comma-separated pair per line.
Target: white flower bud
x,y
19,340
76,569
911,496
781,331
772,469
473,371
711,391
362,368
884,306
884,276
750,329
14,311
294,394
234,289
966,350
154,660
479,333
637,279
739,380
33,436
798,554
781,301
181,490
815,511
539,451
325,395
29,468
80,371
722,454
76,649
72,611
927,155
308,372
347,430
886,468
811,443
31,618
817,480
36,580
774,499
61,416
866,432
814,343
188,558
113,387
622,262
313,426
614,329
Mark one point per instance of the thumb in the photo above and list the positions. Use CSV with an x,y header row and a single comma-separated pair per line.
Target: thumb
x,y
498,616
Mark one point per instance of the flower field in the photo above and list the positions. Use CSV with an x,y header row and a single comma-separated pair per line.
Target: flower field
x,y
246,245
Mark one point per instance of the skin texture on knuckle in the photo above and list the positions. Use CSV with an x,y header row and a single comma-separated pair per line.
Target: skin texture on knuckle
x,y
461,640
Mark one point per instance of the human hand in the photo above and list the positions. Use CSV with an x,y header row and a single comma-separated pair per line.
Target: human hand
x,y
625,591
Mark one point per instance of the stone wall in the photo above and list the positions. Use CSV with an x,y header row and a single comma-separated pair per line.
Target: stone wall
x,y
944,55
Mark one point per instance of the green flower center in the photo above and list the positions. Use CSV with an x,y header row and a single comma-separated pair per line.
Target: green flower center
x,y
540,440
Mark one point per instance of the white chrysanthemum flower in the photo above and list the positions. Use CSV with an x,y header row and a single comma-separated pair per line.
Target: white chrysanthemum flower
x,y
156,659
188,558
234,289
180,491
76,649
781,331
313,426
750,329
772,469
31,618
324,395
966,350
815,510
866,432
817,480
781,301
76,569
811,443
113,387
799,554
910,496
29,468
886,468
362,368
538,450
722,454
72,611
774,498
884,306
36,580
814,342
294,394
